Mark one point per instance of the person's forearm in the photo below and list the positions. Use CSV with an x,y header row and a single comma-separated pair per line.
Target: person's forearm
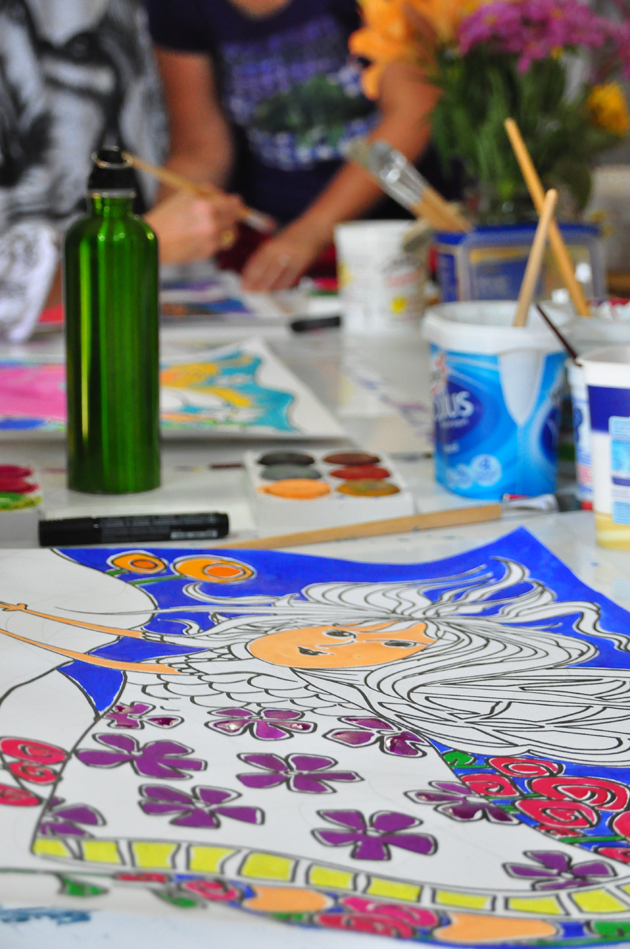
x,y
352,192
207,162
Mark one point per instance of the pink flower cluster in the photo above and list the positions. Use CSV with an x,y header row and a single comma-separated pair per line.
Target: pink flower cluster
x,y
537,29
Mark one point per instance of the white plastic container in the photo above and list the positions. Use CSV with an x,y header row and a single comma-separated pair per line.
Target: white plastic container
x,y
380,284
607,374
582,432
586,334
496,399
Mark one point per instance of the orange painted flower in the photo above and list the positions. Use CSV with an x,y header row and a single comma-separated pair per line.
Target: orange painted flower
x,y
214,569
137,561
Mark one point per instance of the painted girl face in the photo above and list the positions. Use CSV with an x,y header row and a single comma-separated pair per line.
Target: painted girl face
x,y
340,646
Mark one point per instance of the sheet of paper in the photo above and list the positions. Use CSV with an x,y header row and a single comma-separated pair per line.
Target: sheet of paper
x,y
242,389
437,751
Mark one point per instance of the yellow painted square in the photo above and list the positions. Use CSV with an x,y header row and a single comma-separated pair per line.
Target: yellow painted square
x,y
328,876
598,901
44,847
208,859
153,855
268,866
101,851
465,900
394,890
545,905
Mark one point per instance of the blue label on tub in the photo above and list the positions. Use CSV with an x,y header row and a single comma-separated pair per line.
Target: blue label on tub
x,y
496,430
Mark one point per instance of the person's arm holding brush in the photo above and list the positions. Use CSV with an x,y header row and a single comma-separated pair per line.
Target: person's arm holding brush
x,y
269,88
201,149
405,104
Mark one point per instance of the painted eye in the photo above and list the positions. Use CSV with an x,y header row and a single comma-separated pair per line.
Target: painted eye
x,y
398,643
338,633
309,652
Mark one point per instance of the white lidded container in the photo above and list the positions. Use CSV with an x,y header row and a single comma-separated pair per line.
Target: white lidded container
x,y
380,283
607,375
496,394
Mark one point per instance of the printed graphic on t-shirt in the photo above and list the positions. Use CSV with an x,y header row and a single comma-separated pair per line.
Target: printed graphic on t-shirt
x,y
297,94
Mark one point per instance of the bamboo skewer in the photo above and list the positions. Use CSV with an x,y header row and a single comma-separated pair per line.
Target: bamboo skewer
x,y
535,259
256,220
396,525
537,194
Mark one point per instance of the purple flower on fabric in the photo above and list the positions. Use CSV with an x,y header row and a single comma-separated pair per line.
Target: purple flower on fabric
x,y
272,724
369,731
309,774
374,838
456,801
135,716
156,759
64,820
201,808
556,871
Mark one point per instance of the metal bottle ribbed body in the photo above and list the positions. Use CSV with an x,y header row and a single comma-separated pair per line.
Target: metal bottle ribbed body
x,y
111,313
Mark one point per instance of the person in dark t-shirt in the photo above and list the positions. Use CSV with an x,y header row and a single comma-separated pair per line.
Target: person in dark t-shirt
x,y
263,95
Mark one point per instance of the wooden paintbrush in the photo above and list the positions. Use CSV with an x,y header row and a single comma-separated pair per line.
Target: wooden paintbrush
x,y
453,517
402,182
535,259
537,194
256,220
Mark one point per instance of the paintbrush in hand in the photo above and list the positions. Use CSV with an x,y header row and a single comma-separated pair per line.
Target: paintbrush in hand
x,y
402,182
256,219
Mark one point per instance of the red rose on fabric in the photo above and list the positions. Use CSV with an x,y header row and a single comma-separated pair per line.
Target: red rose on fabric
x,y
363,923
408,914
489,785
212,890
621,824
558,814
615,853
525,767
16,797
598,792
36,773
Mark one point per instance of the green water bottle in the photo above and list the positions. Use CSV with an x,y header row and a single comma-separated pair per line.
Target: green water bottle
x,y
111,312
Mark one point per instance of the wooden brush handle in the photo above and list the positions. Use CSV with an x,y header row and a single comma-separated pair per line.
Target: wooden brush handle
x,y
397,525
535,259
258,221
537,194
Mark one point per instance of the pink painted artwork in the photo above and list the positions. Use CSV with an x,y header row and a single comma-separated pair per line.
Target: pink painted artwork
x,y
32,396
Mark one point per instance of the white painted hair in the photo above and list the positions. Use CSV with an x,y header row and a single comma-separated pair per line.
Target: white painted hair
x,y
509,683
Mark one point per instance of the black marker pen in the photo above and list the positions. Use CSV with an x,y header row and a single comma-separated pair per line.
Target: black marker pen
x,y
141,528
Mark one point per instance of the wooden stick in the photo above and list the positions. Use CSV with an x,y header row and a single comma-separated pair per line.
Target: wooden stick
x,y
433,206
258,221
537,194
535,259
454,517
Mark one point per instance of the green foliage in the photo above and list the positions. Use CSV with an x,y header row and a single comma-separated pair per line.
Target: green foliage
x,y
480,91
318,106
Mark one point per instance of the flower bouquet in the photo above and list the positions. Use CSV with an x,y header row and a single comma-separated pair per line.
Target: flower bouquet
x,y
547,63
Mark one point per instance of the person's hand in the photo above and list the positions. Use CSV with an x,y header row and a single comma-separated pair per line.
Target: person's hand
x,y
191,228
281,261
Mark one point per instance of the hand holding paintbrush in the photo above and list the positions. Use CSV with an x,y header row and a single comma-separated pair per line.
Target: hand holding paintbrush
x,y
255,219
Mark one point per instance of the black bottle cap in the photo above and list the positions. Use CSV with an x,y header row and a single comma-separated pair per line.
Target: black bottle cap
x,y
111,172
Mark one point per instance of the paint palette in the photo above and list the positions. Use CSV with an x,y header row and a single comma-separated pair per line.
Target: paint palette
x,y
294,491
